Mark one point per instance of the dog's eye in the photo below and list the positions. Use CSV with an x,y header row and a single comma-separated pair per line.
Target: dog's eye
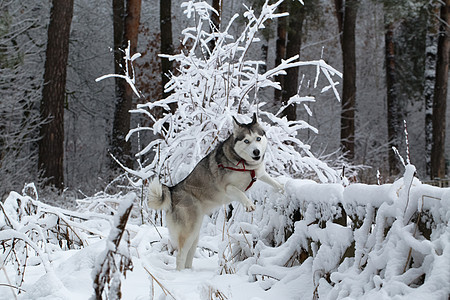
x,y
258,138
246,141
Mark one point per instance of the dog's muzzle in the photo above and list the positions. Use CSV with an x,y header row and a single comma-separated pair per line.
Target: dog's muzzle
x,y
256,154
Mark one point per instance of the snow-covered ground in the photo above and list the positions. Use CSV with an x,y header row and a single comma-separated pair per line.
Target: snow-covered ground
x,y
71,277
382,252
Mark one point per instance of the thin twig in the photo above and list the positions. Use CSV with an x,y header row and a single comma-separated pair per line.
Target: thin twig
x,y
248,243
163,288
9,283
8,221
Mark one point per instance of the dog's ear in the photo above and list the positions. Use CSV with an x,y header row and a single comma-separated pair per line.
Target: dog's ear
x,y
254,119
236,124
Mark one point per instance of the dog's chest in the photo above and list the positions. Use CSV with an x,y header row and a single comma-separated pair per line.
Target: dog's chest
x,y
240,179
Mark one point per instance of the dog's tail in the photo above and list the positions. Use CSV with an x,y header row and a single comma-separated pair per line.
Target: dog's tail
x,y
158,195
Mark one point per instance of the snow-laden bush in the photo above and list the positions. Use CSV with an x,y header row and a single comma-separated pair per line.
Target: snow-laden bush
x,y
32,232
355,241
394,242
212,85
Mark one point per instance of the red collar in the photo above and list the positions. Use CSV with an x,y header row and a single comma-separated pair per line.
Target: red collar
x,y
252,172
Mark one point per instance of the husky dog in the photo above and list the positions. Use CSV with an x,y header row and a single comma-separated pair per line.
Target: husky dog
x,y
219,178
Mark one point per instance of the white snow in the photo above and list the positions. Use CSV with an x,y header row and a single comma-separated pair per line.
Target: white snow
x,y
327,240
265,254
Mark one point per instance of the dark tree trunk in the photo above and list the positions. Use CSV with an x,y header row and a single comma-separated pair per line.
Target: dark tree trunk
x,y
215,19
51,145
394,116
217,5
440,95
280,50
339,7
118,27
294,36
346,13
166,42
264,56
430,79
124,95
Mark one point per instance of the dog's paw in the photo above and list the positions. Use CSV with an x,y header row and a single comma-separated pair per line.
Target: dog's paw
x,y
250,207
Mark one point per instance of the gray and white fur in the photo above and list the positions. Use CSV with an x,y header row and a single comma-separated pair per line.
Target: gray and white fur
x,y
218,179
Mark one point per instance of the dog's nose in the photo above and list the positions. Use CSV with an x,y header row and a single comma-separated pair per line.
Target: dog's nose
x,y
256,152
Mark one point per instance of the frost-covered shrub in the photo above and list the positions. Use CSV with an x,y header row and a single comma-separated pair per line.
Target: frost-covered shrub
x,y
115,261
211,86
393,242
32,230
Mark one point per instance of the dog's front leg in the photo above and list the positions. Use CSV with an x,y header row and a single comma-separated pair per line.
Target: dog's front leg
x,y
269,180
236,194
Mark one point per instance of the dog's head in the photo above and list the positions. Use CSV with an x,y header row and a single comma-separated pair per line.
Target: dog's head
x,y
250,141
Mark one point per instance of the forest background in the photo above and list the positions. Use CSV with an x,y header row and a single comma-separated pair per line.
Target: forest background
x,y
395,58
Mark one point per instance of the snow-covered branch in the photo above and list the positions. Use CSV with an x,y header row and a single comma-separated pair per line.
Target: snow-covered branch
x,y
129,75
215,84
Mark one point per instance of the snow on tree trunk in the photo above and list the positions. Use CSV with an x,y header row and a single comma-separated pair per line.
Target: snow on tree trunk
x,y
430,78
394,118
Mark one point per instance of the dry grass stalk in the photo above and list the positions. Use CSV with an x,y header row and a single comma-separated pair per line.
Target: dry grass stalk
x,y
106,281
163,288
10,285
295,257
415,230
215,294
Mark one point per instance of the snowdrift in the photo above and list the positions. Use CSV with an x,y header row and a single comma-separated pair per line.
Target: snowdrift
x,y
316,241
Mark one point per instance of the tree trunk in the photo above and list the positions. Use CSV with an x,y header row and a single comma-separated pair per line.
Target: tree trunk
x,y
118,27
430,79
296,18
346,13
51,145
280,50
394,117
124,95
215,20
339,8
440,95
217,5
166,42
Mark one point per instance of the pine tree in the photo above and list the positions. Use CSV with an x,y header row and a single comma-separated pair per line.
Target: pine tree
x,y
430,78
166,41
51,145
124,94
288,44
346,13
294,40
438,163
